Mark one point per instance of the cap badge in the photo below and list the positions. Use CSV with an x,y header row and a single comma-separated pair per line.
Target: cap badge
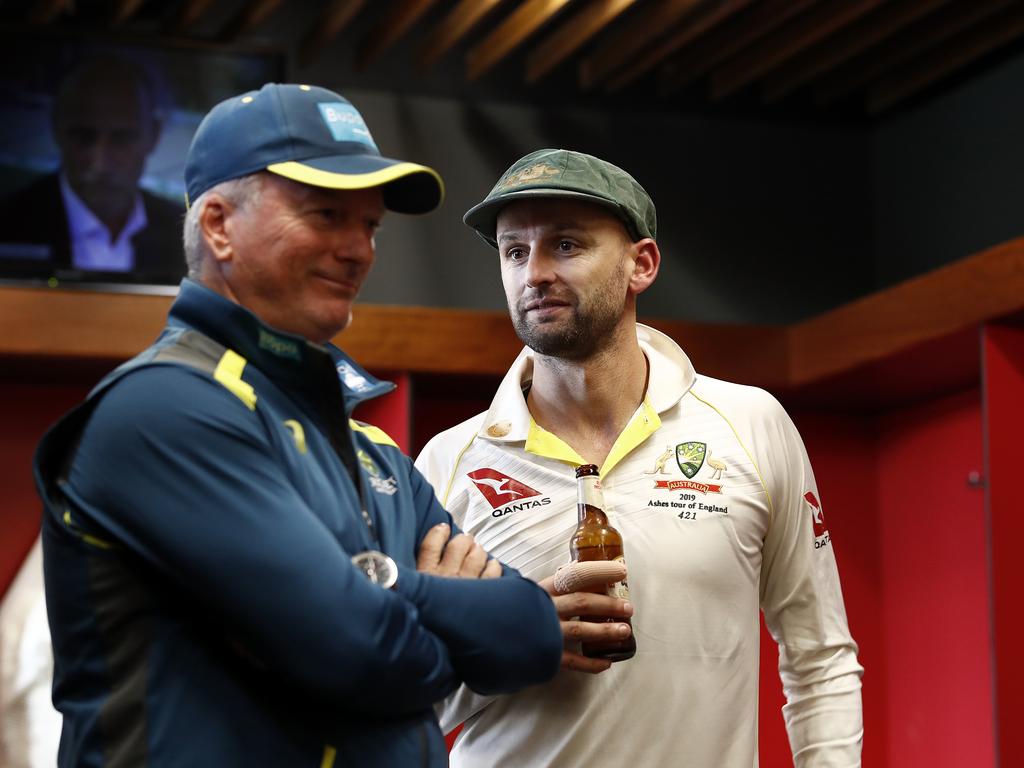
x,y
533,173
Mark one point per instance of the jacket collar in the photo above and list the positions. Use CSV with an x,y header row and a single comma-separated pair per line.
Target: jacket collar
x,y
279,354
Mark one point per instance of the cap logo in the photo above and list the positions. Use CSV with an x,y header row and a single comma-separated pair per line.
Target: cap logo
x,y
345,123
531,174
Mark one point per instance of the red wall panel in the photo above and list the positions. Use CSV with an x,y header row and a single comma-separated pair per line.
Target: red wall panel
x,y
25,412
935,609
842,450
1004,422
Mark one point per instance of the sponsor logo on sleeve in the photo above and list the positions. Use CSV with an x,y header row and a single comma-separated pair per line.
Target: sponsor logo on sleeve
x,y
821,534
505,494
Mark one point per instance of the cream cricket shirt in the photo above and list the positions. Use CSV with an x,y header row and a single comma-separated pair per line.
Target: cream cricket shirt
x,y
713,493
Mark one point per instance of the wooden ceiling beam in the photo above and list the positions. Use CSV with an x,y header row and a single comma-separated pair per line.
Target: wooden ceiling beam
x,y
332,20
790,40
658,20
851,42
960,51
45,11
729,39
576,31
507,36
251,15
189,13
703,21
123,10
898,50
466,15
399,21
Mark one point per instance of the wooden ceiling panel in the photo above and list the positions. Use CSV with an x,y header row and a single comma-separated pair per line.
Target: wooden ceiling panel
x,y
189,13
123,10
568,38
898,51
251,15
727,41
850,42
46,11
957,53
659,19
701,23
509,34
803,32
391,29
844,59
466,15
332,20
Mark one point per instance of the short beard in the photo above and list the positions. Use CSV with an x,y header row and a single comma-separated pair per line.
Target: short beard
x,y
585,333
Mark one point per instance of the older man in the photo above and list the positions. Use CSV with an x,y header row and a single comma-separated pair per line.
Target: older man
x,y
236,572
731,524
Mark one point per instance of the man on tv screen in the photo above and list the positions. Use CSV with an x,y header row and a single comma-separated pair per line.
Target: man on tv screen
x,y
89,219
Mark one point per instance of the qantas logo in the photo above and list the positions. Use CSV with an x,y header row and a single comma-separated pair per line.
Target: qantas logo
x,y
500,489
817,520
505,494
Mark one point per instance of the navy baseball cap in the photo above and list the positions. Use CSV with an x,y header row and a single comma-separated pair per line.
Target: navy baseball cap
x,y
307,134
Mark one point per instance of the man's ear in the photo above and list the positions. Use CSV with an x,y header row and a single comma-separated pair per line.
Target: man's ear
x,y
646,261
214,226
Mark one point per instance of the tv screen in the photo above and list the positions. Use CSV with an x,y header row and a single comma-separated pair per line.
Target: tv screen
x,y
92,150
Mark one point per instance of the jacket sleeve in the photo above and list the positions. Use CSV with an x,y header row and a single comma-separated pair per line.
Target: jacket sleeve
x,y
803,607
176,470
501,634
437,462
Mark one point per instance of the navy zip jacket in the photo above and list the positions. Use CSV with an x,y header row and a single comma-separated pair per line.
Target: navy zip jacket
x,y
202,507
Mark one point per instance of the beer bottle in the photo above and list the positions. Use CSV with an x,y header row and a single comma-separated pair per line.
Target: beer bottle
x,y
595,539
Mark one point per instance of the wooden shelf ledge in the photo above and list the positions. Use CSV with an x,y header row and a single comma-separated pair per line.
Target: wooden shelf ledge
x,y
91,326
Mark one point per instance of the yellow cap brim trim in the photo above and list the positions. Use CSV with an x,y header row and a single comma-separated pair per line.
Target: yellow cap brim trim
x,y
318,178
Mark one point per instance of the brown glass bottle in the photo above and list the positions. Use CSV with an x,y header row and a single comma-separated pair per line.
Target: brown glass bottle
x,y
595,539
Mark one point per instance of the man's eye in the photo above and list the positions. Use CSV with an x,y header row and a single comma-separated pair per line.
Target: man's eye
x,y
515,254
566,245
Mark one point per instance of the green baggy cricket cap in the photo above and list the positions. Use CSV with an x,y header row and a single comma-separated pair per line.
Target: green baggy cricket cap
x,y
562,173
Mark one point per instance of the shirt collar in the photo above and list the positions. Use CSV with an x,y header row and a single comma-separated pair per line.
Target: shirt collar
x,y
82,222
671,376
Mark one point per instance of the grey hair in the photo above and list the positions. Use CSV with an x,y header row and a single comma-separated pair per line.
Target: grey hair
x,y
239,192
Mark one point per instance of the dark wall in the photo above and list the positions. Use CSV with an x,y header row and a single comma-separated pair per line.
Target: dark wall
x,y
759,222
948,175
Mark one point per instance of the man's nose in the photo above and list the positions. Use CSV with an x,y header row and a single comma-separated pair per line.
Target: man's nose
x,y
539,269
98,155
354,242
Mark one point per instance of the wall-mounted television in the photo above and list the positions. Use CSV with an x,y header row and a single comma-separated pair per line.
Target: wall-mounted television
x,y
93,138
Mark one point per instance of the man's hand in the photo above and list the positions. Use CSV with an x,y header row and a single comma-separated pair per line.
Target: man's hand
x,y
459,557
568,588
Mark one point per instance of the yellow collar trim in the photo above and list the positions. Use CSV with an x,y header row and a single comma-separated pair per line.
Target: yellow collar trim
x,y
645,422
550,445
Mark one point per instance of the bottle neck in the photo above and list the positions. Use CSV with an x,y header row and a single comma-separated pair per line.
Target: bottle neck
x,y
590,499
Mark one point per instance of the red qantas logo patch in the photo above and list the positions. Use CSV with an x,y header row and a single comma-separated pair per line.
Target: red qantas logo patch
x,y
817,516
500,489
